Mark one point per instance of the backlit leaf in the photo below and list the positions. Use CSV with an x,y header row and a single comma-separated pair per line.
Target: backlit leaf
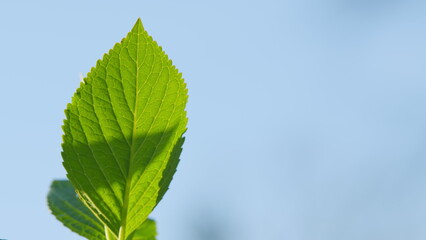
x,y
68,209
123,132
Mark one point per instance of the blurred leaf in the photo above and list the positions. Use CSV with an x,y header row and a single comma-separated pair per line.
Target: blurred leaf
x,y
68,209
147,231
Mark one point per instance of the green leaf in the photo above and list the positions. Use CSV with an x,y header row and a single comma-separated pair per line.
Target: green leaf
x,y
123,132
147,231
68,209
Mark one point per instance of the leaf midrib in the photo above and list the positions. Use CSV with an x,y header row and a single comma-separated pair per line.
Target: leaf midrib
x,y
124,211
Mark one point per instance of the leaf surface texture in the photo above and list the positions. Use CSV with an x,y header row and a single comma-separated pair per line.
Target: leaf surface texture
x,y
123,132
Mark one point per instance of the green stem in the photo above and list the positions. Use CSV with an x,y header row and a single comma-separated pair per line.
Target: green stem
x,y
109,235
121,234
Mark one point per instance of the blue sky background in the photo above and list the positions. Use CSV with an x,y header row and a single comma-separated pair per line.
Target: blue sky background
x,y
307,118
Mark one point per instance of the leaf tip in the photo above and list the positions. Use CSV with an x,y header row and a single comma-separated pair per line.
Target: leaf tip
x,y
138,25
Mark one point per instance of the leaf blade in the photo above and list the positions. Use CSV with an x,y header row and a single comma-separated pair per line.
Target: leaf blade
x,y
68,209
121,130
147,231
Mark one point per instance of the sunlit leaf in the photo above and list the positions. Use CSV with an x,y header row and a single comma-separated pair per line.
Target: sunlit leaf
x,y
123,132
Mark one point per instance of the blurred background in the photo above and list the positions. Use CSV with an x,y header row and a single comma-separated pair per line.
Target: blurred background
x,y
307,118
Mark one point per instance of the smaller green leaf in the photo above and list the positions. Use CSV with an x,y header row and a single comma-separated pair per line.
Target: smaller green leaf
x,y
69,210
147,231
